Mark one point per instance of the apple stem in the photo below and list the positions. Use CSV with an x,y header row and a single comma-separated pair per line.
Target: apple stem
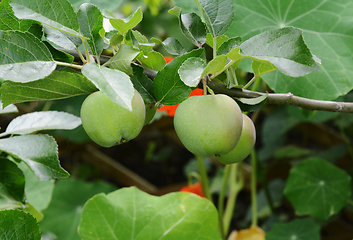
x,y
204,83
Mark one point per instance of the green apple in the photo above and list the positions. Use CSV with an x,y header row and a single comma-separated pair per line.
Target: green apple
x,y
208,125
107,123
244,146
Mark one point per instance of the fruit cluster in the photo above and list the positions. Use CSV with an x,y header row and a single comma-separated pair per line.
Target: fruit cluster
x,y
207,125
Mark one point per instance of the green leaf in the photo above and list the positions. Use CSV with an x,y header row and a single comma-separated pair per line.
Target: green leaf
x,y
143,84
154,60
143,43
37,121
124,25
298,229
90,20
108,5
16,224
219,40
32,60
64,211
234,54
39,152
62,17
216,65
192,26
113,83
58,85
38,193
318,188
228,45
8,109
217,14
12,180
261,67
61,39
123,58
251,104
172,46
168,87
133,214
8,21
285,48
191,70
59,55
327,31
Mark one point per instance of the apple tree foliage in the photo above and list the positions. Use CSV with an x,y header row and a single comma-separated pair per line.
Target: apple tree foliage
x,y
56,49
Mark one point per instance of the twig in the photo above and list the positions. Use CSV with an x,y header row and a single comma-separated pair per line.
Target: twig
x,y
286,98
272,98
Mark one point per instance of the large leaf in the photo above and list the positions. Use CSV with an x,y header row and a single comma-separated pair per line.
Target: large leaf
x,y
57,85
113,83
12,181
32,60
57,14
285,48
64,211
132,214
16,224
168,87
318,188
217,14
37,121
8,21
39,152
299,229
327,30
90,21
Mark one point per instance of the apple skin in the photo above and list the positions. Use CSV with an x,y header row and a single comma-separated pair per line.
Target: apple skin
x,y
244,146
107,123
208,125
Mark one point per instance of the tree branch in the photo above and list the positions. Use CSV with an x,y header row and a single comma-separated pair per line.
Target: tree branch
x,y
286,98
272,98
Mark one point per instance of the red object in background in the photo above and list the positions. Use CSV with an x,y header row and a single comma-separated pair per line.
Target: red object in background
x,y
170,109
168,59
195,188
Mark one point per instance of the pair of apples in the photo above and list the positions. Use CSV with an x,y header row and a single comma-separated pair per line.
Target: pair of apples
x,y
207,125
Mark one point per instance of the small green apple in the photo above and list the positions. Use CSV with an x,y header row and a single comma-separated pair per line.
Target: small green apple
x,y
244,146
107,123
208,125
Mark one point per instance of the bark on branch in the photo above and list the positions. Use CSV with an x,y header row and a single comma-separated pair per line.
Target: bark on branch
x,y
286,98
